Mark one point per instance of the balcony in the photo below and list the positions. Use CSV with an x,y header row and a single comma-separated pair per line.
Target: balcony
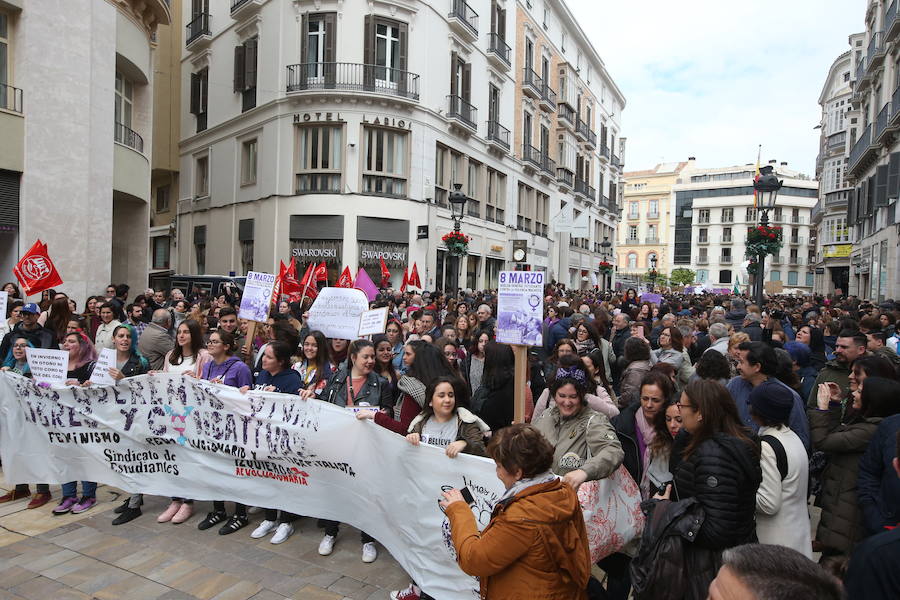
x,y
862,80
798,220
881,123
498,135
727,218
604,151
547,100
583,130
198,34
244,8
462,111
895,107
777,260
531,156
797,241
607,204
836,142
10,98
726,239
797,260
702,260
891,23
12,129
876,53
352,77
702,240
565,177
836,199
725,259
615,161
532,85
548,167
565,116
585,190
128,137
652,215
862,152
651,240
463,18
498,50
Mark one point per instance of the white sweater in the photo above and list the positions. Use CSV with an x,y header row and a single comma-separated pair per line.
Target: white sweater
x,y
782,515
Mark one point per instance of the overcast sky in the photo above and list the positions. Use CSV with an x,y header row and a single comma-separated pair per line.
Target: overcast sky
x,y
716,78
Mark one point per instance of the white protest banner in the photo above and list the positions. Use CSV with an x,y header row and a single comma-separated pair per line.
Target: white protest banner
x,y
520,307
336,312
4,298
171,435
47,366
257,296
372,322
105,361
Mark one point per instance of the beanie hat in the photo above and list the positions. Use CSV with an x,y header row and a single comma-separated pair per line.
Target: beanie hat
x,y
772,400
799,352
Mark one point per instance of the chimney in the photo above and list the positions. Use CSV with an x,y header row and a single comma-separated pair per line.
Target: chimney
x,y
783,164
690,158
772,162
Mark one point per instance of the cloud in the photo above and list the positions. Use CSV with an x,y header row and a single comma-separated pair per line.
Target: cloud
x,y
714,78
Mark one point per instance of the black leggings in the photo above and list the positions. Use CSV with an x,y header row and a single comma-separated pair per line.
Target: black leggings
x,y
280,516
332,527
240,510
42,488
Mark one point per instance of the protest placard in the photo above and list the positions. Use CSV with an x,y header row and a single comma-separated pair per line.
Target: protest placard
x,y
47,366
520,307
105,361
336,312
372,322
4,298
257,296
651,298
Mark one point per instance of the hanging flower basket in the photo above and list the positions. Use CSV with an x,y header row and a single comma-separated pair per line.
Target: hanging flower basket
x,y
457,243
652,275
752,267
764,240
605,267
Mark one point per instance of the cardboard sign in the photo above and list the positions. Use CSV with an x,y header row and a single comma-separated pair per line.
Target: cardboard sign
x,y
337,311
105,361
373,321
48,366
520,307
257,297
4,298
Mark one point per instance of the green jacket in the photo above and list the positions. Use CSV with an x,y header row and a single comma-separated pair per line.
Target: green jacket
x,y
585,441
834,371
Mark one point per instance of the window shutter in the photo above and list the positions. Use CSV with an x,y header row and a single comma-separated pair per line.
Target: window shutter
x,y
250,63
870,196
369,51
501,26
893,184
467,82
238,68
454,64
881,179
402,62
851,206
204,90
195,93
304,42
330,37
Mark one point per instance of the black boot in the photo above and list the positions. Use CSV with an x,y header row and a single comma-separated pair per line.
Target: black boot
x,y
129,514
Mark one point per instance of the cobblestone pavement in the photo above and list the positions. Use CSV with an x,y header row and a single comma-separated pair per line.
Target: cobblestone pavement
x,y
44,557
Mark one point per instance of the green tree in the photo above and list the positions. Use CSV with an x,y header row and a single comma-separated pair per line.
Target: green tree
x,y
682,276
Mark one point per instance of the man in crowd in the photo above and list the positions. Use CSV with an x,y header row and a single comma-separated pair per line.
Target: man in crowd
x,y
155,342
752,326
718,338
849,346
427,325
735,317
486,322
758,363
136,319
30,329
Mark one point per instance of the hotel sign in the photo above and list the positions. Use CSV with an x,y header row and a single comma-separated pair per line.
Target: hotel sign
x,y
840,251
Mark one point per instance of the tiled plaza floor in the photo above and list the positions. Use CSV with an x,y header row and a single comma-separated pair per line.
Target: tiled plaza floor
x,y
43,557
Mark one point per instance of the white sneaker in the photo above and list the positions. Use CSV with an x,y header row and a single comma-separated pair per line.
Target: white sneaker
x,y
326,546
369,553
263,530
284,531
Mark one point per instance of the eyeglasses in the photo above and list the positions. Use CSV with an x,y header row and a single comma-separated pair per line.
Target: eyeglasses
x,y
683,406
20,345
213,342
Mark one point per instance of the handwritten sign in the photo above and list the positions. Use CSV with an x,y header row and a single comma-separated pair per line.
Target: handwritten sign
x,y
372,322
651,298
337,311
4,298
107,360
257,296
520,307
47,366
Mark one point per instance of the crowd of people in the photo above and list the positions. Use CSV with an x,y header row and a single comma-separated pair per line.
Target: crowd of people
x,y
732,419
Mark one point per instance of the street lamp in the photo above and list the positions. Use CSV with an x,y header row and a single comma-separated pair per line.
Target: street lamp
x,y
653,272
605,253
457,211
766,187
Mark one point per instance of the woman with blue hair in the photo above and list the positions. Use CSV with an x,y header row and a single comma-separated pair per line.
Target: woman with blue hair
x,y
16,360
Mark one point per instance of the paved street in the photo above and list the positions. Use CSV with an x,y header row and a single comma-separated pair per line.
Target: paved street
x,y
43,557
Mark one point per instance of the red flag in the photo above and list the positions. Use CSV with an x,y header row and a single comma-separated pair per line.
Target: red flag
x,y
35,270
405,280
345,280
321,273
308,286
385,274
414,277
279,279
289,283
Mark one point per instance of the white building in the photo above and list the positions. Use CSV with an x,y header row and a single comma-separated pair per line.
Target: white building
x,y
714,210
76,96
335,131
832,235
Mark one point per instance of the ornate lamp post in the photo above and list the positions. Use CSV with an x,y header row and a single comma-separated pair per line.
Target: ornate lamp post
x,y
766,187
605,254
457,211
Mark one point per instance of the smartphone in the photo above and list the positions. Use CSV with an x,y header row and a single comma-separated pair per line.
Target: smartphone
x,y
662,487
467,495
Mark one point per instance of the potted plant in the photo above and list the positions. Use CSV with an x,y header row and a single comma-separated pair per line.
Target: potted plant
x,y
457,243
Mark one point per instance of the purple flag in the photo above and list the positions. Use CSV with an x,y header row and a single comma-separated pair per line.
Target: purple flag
x,y
364,282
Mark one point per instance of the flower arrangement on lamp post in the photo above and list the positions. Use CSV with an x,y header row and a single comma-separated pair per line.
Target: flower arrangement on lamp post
x,y
457,243
763,240
605,267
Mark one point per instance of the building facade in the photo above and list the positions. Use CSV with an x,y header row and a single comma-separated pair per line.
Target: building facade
x,y
713,209
643,235
873,166
336,131
74,163
830,230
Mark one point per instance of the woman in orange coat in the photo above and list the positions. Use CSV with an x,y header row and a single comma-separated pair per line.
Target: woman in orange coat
x,y
536,544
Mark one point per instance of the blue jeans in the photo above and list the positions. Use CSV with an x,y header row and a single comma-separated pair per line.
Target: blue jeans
x,y
88,489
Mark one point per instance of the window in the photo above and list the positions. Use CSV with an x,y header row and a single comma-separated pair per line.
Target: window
x,y
651,234
385,46
727,215
441,182
385,162
632,260
162,199
653,208
652,260
633,210
702,275
726,254
726,235
774,275
725,276
473,189
248,162
703,236
245,72
201,180
124,100
703,215
702,255
245,238
632,233
493,103
319,158
525,210
750,215
810,279
496,197
200,97
161,252
7,99
526,128
793,277
835,231
200,248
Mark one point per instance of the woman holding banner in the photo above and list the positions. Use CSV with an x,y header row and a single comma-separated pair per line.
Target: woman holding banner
x,y
16,359
314,368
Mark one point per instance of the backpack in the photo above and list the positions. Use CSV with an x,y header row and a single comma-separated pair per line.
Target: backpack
x,y
780,455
